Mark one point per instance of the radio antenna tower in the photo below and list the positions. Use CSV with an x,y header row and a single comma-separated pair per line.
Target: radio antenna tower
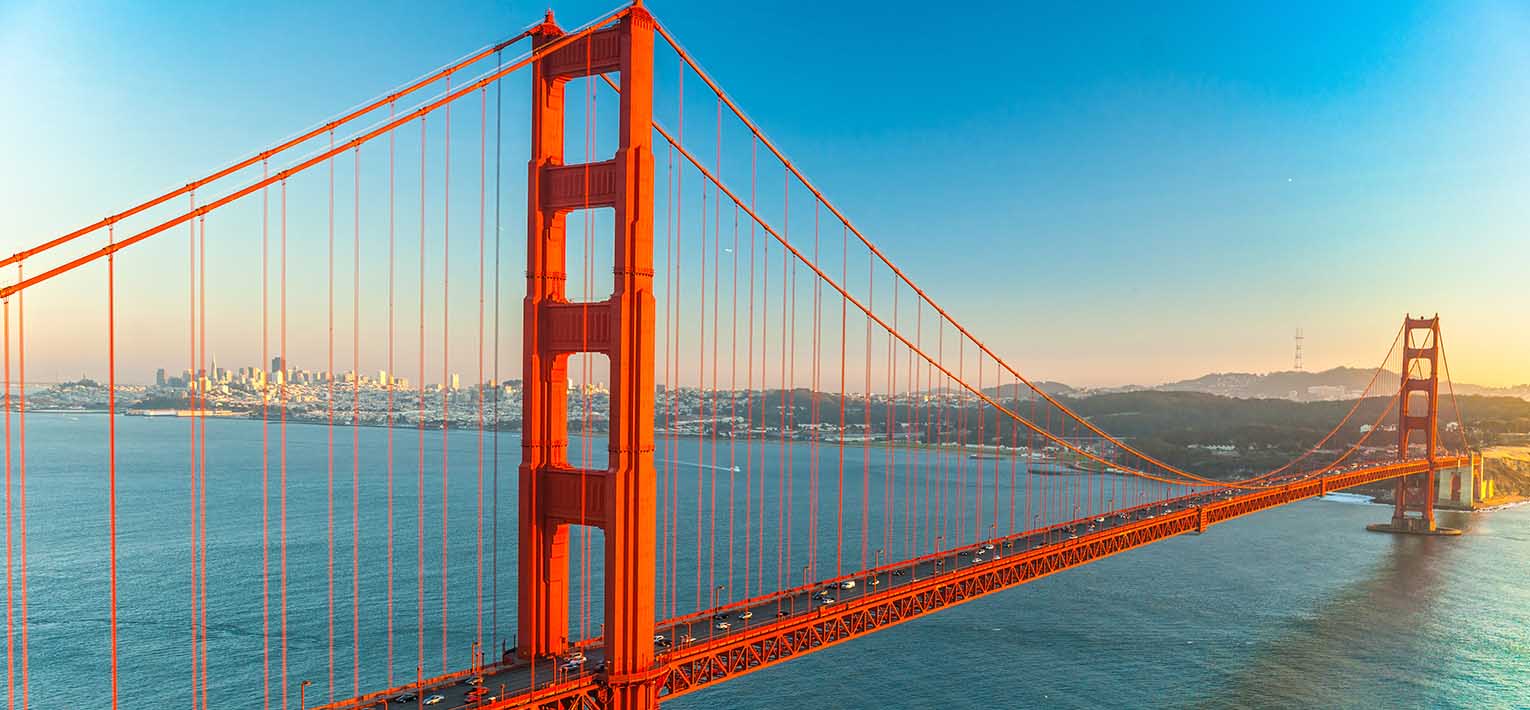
x,y
1298,349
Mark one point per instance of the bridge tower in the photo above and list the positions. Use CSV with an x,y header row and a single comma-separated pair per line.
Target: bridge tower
x,y
621,500
1418,413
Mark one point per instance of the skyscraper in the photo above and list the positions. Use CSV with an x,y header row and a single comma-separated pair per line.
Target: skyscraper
x,y
276,365
159,377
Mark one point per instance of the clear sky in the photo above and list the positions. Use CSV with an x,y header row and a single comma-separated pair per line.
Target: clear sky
x,y
1108,193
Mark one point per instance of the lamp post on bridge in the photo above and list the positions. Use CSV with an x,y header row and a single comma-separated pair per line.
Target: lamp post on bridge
x,y
303,694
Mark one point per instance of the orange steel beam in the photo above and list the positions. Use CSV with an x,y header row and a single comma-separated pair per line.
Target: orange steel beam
x,y
352,144
710,663
281,147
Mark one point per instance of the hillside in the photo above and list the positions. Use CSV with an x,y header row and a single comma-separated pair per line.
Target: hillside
x,y
1337,383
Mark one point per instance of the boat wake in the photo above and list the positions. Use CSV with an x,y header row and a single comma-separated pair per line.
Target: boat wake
x,y
707,467
1350,498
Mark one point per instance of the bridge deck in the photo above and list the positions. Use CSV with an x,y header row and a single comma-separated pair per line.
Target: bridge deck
x,y
696,654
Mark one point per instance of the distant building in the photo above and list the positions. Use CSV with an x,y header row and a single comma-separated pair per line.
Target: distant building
x,y
159,377
1327,393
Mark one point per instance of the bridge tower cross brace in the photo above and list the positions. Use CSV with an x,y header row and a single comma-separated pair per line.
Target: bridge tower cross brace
x,y
621,500
1418,413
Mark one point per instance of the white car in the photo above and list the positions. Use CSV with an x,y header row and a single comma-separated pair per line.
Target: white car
x,y
432,700
723,626
847,584
746,615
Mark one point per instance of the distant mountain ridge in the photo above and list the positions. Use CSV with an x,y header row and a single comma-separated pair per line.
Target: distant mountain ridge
x,y
1337,383
1300,385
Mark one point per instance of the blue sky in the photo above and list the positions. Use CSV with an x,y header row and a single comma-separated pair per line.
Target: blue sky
x,y
1122,193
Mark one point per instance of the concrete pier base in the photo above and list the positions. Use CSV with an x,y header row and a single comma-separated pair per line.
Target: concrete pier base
x,y
1411,529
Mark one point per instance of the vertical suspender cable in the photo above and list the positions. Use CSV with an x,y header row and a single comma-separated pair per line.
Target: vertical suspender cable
x,y
21,485
202,444
716,271
839,505
10,634
195,385
679,299
701,378
498,386
111,447
483,186
446,212
391,377
865,440
749,396
668,456
888,505
419,543
329,433
356,432
265,441
281,375
733,421
764,270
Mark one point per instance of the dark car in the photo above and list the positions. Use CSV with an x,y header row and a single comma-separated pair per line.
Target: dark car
x,y
405,698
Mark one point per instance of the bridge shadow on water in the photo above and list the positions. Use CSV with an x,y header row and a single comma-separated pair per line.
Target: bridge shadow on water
x,y
1376,639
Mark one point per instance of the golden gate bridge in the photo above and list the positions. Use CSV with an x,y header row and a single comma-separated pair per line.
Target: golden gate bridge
x,y
861,458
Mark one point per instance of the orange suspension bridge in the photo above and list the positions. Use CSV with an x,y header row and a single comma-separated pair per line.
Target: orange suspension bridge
x,y
801,446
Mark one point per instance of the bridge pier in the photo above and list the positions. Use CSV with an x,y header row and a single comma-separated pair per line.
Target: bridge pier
x,y
1418,412
622,499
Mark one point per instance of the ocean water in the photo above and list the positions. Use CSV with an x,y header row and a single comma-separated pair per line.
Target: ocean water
x,y
1297,607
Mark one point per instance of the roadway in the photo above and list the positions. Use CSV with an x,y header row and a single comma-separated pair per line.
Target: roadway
x,y
517,679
